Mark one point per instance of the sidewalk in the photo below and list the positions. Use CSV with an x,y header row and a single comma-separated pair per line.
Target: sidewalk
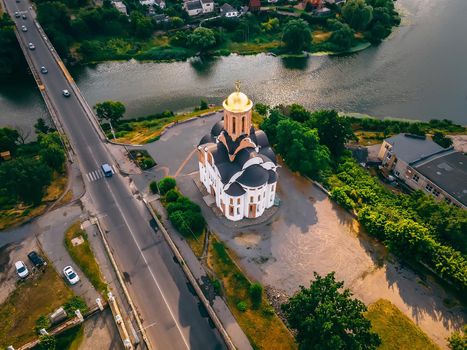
x,y
223,313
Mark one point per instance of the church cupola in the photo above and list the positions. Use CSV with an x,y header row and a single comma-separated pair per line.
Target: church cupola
x,y
237,113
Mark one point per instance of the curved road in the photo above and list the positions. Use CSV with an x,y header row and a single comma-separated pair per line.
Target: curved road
x,y
156,283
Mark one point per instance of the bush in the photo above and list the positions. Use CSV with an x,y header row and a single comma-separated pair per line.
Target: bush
x,y
167,184
47,342
153,187
42,322
171,196
256,294
75,303
242,306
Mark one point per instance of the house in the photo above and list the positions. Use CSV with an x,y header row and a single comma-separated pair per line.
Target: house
x,y
228,11
150,3
237,166
254,5
160,3
120,6
160,18
208,6
193,7
424,165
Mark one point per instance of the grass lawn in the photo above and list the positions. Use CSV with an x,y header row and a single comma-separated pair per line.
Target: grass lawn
x,y
20,212
262,326
83,256
146,131
38,295
396,330
197,243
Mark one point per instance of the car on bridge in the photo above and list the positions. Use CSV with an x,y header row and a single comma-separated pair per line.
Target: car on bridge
x,y
31,46
44,70
24,28
17,14
66,93
23,16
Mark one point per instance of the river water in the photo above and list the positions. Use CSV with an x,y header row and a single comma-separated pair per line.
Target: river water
x,y
420,72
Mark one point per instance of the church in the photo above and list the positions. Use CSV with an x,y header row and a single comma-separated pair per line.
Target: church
x,y
237,166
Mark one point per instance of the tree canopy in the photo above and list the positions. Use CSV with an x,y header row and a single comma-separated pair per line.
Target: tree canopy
x,y
357,14
297,35
327,318
202,39
110,110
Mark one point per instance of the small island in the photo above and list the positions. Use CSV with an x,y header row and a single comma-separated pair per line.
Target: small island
x,y
83,32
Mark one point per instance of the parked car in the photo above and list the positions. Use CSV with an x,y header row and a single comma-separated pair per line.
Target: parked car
x,y
44,70
24,28
21,269
17,15
66,93
70,275
31,46
36,259
23,16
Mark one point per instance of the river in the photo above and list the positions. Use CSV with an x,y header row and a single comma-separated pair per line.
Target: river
x,y
419,72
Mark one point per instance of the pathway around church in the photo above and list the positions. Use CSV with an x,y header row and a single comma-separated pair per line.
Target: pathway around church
x,y
310,233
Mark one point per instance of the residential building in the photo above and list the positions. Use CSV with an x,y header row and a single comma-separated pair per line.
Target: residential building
x,y
151,3
120,6
193,7
424,165
208,6
228,10
236,163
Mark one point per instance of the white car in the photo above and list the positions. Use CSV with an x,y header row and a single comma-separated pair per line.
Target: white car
x,y
66,93
70,275
21,269
31,46
24,28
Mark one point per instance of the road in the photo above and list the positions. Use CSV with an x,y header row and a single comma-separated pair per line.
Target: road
x,y
156,283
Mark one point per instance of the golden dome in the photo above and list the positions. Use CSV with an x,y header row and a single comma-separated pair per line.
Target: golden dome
x,y
237,102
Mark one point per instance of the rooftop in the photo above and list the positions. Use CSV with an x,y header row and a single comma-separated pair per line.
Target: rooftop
x,y
193,5
410,148
448,171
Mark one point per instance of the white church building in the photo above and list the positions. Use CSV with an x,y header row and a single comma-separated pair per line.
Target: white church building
x,y
236,163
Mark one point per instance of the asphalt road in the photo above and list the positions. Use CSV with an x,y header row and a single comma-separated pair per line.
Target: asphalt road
x,y
157,284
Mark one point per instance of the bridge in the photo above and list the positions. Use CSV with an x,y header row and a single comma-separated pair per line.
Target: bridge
x,y
167,313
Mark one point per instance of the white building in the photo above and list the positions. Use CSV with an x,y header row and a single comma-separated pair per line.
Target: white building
x,y
193,8
236,164
229,11
120,6
159,3
208,6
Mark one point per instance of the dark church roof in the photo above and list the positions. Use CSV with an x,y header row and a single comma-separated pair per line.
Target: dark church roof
x,y
206,139
261,138
268,152
220,154
272,176
227,170
217,128
235,190
254,176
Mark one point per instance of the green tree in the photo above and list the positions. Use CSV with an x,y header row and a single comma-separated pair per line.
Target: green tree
x,y
110,110
141,25
202,39
327,318
11,58
298,113
342,35
333,131
416,129
53,156
203,105
25,179
297,35
300,148
166,184
41,127
9,139
442,140
458,340
262,108
47,342
357,14
256,294
55,20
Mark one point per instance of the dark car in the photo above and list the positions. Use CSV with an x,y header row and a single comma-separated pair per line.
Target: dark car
x,y
23,16
36,259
